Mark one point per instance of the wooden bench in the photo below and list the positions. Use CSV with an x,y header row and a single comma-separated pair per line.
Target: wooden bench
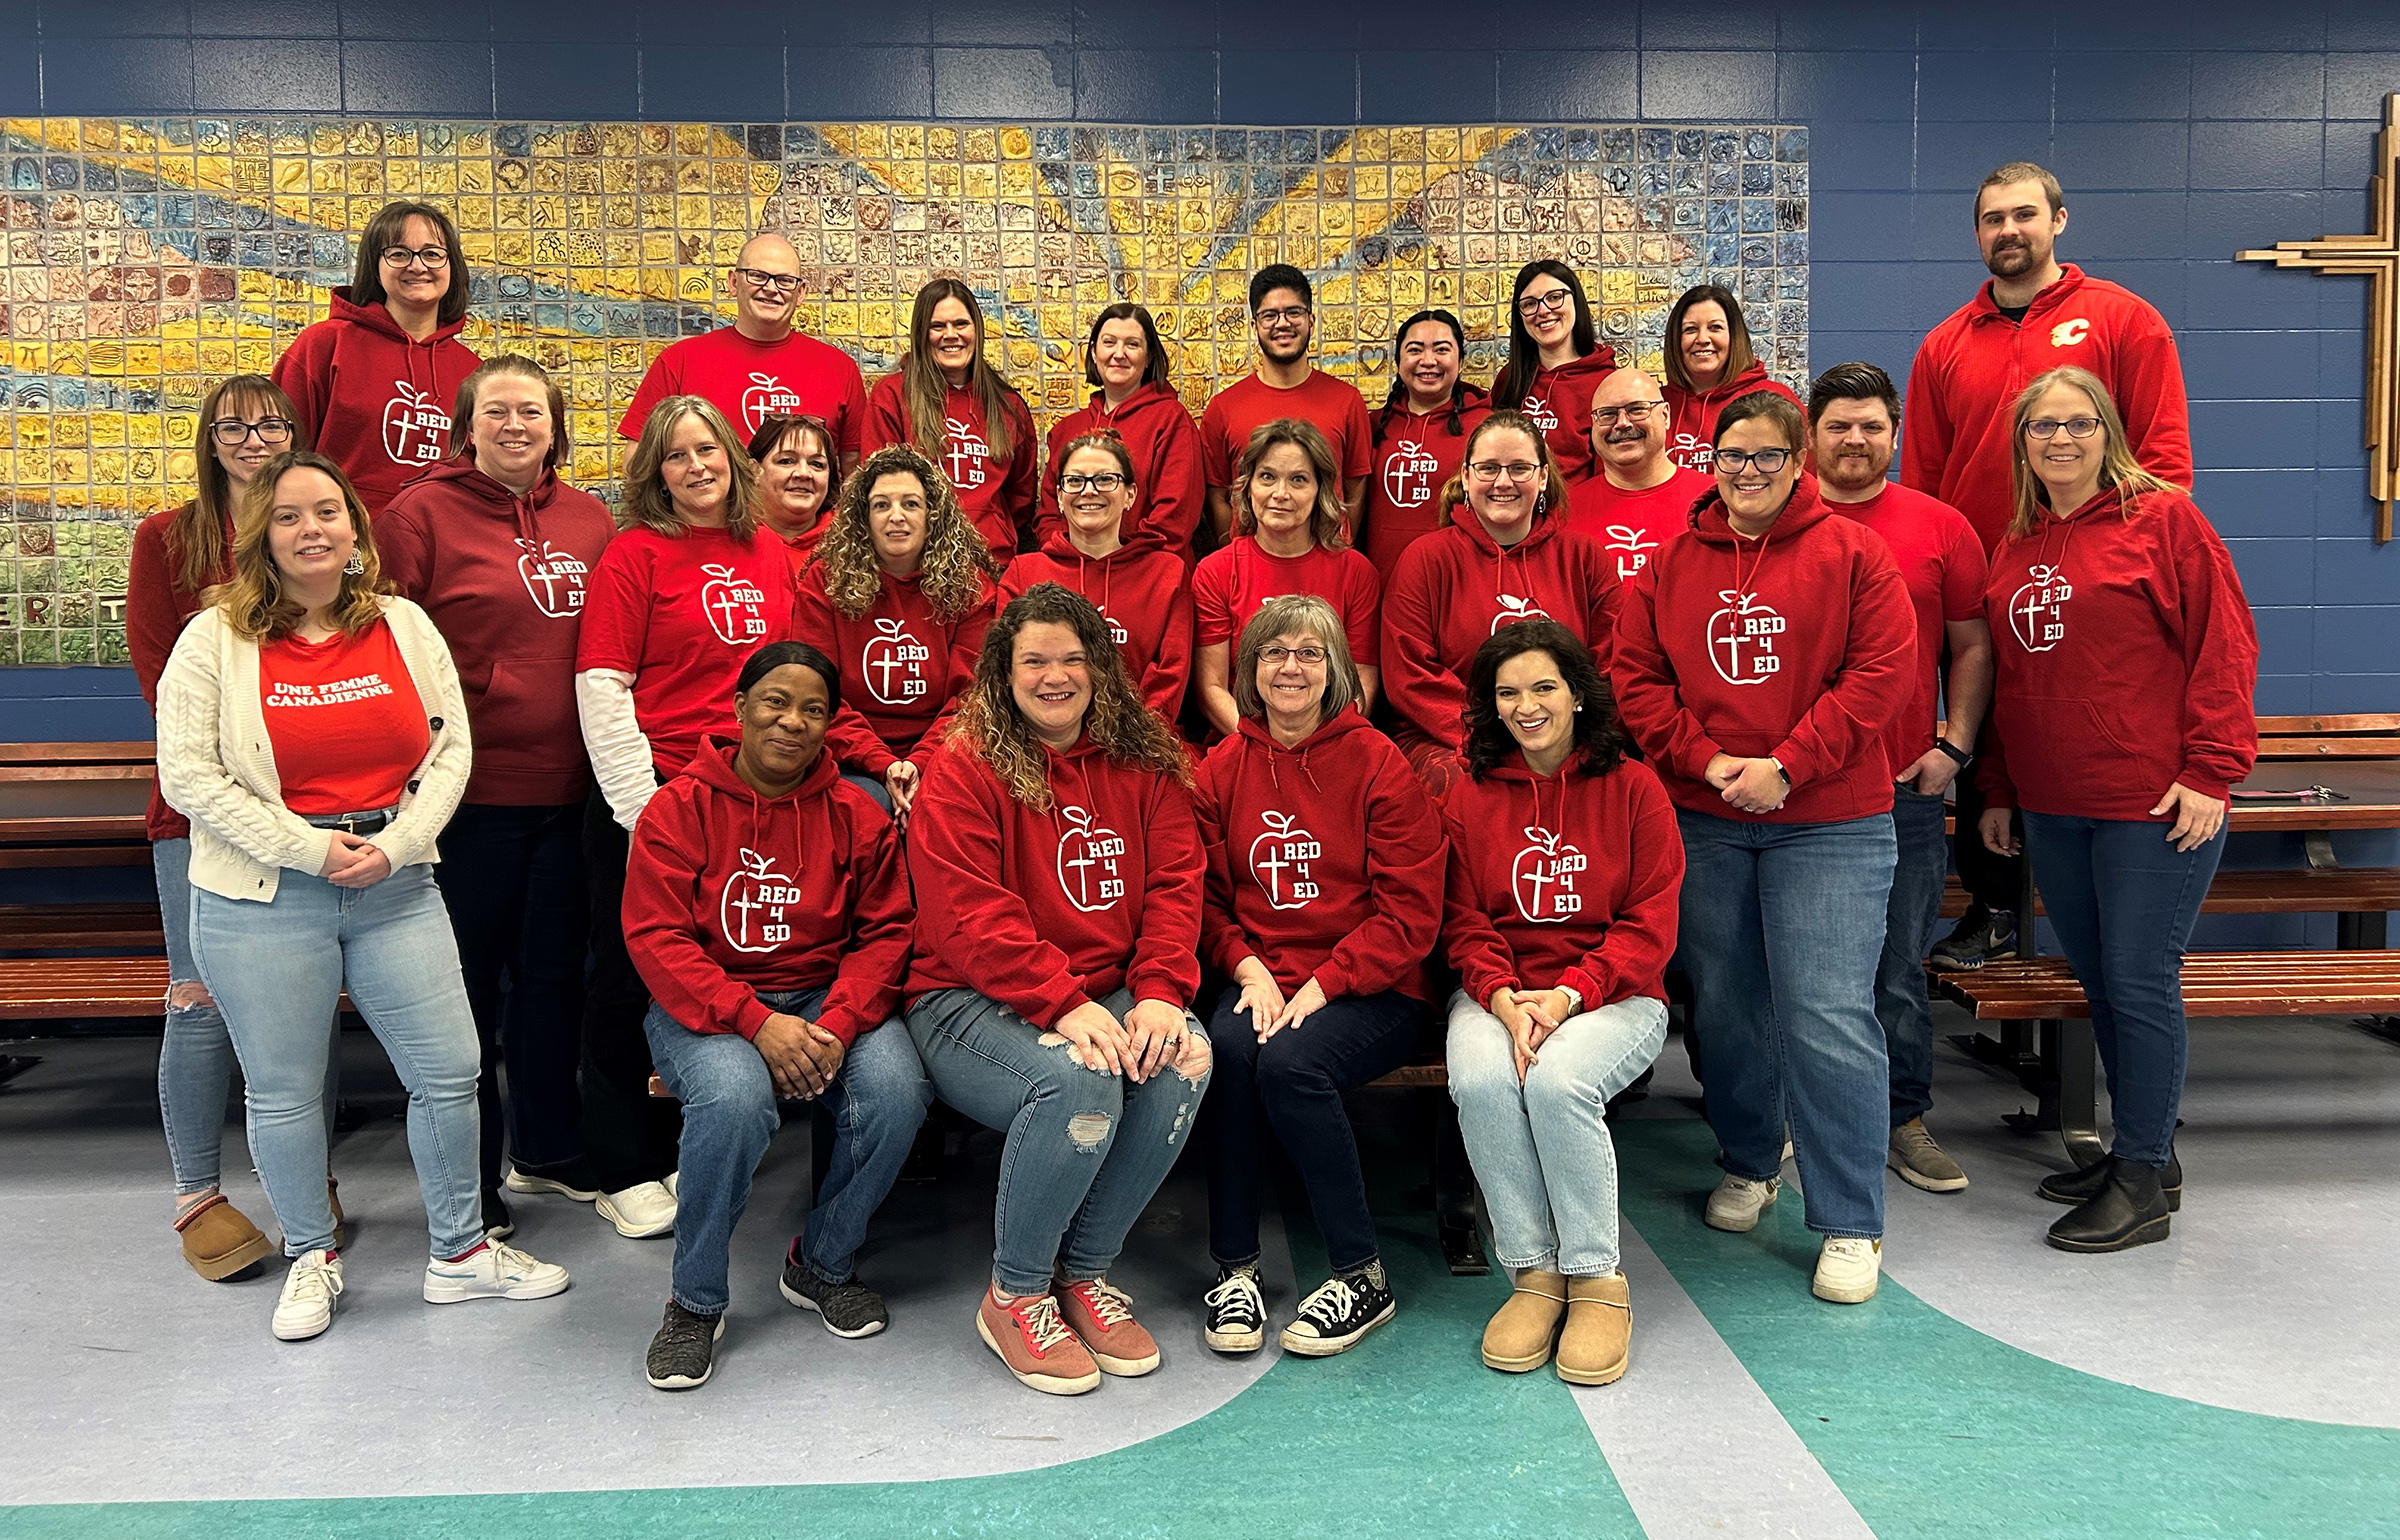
x,y
74,804
2280,890
131,930
68,988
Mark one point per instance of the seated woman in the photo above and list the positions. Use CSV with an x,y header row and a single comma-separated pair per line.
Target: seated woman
x,y
314,732
767,909
898,596
1140,589
1323,902
1057,868
1287,539
1565,869
796,477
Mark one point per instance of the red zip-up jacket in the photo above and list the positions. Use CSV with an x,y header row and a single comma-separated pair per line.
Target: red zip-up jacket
x,y
1692,414
1457,586
1171,495
372,398
1565,879
503,578
1559,402
1045,909
1143,593
1324,860
729,894
2126,661
156,607
1801,646
903,667
996,496
1415,455
1963,388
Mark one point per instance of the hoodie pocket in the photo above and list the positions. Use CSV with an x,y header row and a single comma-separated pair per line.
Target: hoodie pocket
x,y
524,719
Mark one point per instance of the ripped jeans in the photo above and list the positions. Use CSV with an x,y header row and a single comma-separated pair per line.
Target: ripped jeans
x,y
1086,1149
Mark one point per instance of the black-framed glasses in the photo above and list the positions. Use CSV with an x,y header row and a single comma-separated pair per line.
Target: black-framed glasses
x,y
773,283
1275,655
1076,482
1631,411
1514,470
1289,314
1545,304
1765,461
231,431
2077,427
431,258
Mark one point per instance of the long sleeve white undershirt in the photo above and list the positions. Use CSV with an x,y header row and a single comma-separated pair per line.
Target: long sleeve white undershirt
x,y
613,737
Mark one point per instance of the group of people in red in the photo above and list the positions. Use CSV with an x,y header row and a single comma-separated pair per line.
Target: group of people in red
x,y
1170,781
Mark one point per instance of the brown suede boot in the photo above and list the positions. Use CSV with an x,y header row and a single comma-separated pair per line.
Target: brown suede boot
x,y
219,1242
1599,1335
1520,1336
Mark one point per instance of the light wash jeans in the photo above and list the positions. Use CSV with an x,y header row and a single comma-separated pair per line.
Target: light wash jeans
x,y
1902,1004
1086,1149
878,1098
195,1057
1541,1149
278,970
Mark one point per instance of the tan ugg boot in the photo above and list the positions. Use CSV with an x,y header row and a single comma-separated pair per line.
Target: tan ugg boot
x,y
219,1241
1599,1335
1520,1336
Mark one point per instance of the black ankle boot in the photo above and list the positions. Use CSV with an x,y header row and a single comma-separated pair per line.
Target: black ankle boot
x,y
2081,1186
2130,1209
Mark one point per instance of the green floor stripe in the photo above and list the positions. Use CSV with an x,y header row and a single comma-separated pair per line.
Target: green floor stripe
x,y
1935,1431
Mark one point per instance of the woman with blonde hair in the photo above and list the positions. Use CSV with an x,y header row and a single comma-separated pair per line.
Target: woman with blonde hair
x,y
961,413
313,730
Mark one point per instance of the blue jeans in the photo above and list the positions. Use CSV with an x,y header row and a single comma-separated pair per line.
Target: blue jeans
x,y
1901,1002
195,1057
878,1098
2122,900
278,969
1540,1147
1086,1148
1782,926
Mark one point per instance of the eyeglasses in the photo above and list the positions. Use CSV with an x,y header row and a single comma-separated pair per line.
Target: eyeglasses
x,y
1494,470
1104,482
1631,411
1289,314
2077,427
1275,656
768,283
230,432
1546,303
1765,461
432,258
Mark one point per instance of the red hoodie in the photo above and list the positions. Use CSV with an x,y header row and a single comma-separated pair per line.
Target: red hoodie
x,y
1415,455
1456,587
1963,388
156,607
2126,662
372,398
1171,496
1565,879
1692,414
729,895
1324,860
503,578
1045,909
1559,402
996,496
1141,591
903,667
1333,406
1801,646
1632,526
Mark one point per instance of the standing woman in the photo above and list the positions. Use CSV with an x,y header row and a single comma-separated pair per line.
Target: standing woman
x,y
498,551
1565,868
1420,436
962,415
690,587
1139,589
1057,869
1134,398
1709,362
1323,902
372,384
898,596
314,732
1759,657
1289,537
796,461
2126,658
1555,361
1506,555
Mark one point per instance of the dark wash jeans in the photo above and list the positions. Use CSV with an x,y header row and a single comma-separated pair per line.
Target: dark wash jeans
x,y
1901,1001
629,1135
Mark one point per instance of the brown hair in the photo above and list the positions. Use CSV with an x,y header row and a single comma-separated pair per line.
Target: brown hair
x,y
1524,354
1295,612
366,281
646,499
2020,171
1154,369
923,386
200,531
1554,485
517,366
1328,521
1773,407
956,560
253,599
2119,471
1108,442
773,431
1853,382
1739,355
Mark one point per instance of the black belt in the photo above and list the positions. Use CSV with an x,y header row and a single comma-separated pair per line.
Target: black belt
x,y
359,824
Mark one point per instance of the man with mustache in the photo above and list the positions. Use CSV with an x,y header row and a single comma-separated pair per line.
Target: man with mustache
x,y
2035,314
1641,499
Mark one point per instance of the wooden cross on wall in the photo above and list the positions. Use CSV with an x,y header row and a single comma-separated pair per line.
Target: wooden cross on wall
x,y
2378,256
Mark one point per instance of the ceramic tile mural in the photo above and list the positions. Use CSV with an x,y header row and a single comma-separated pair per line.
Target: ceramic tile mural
x,y
146,257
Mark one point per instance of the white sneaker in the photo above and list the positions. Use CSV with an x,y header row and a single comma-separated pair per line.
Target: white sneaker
x,y
493,1272
669,1184
305,1307
1848,1270
640,1211
1738,1201
526,1181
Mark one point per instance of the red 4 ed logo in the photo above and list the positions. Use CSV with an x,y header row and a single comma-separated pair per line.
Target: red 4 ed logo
x,y
768,397
1742,639
415,428
1509,609
1544,878
1408,473
894,662
2037,611
731,603
1284,849
756,890
1089,860
553,577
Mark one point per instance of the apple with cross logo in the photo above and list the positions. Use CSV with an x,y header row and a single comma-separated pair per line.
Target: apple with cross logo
x,y
1408,475
1510,609
768,397
415,428
750,912
894,651
1090,858
2037,611
1544,878
1632,547
1741,639
1284,849
1538,411
553,577
964,461
731,603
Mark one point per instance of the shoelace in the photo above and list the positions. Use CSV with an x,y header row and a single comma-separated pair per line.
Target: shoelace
x,y
1331,1304
1112,1305
508,1259
1237,1298
690,1330
311,1283
1039,1320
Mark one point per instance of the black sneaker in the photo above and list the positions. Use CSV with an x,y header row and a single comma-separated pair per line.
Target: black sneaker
x,y
848,1309
1982,935
1237,1314
498,1223
1345,1308
684,1353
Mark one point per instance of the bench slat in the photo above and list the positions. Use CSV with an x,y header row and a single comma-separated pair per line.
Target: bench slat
x,y
2214,984
2292,890
127,753
131,928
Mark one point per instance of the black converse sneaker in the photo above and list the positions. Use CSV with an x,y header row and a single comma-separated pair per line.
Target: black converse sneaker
x,y
1237,1315
1345,1308
684,1353
848,1309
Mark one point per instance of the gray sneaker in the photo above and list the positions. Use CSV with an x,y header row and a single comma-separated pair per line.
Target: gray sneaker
x,y
1921,1162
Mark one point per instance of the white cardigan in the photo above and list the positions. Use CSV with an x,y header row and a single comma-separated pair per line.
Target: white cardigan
x,y
217,767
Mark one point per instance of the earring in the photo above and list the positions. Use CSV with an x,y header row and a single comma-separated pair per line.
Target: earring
x,y
356,566
1541,500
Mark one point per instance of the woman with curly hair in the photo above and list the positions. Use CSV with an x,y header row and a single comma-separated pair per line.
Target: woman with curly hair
x,y
1565,868
1058,871
948,401
898,596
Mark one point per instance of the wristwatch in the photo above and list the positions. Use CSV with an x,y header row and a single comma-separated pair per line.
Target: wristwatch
x,y
1779,770
1574,999
1963,758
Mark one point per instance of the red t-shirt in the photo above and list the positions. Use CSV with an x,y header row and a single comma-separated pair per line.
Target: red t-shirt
x,y
753,381
344,721
1941,558
1235,581
1631,526
1336,409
